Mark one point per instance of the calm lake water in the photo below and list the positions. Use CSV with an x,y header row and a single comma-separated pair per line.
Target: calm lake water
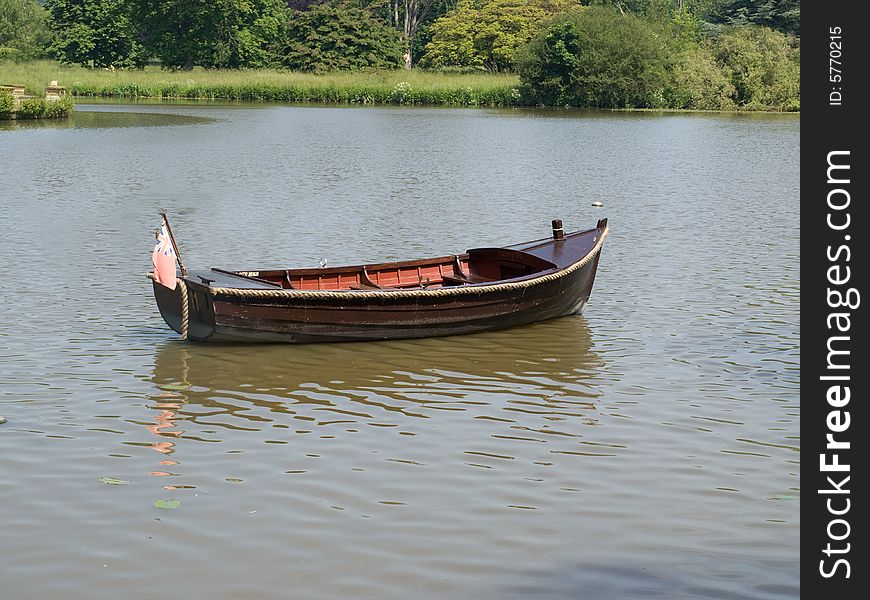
x,y
649,448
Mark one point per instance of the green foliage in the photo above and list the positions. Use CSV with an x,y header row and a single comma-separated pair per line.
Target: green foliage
x,y
58,108
209,33
781,15
34,108
97,33
658,9
6,103
7,53
31,108
332,38
764,67
24,33
421,14
687,29
635,7
596,58
487,33
452,38
508,24
700,83
253,41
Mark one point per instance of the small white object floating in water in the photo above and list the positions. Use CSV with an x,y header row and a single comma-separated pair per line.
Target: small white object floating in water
x,y
323,262
597,204
2,420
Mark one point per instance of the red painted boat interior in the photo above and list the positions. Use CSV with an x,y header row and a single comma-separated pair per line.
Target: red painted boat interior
x,y
477,266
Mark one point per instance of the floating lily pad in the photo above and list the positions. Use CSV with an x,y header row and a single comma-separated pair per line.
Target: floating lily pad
x,y
167,503
112,481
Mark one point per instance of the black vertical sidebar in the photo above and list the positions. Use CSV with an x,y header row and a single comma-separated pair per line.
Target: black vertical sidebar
x,y
835,113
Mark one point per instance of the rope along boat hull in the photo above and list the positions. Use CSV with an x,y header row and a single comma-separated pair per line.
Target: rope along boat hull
x,y
481,290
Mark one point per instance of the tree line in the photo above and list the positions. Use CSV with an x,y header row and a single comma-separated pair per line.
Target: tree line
x,y
702,54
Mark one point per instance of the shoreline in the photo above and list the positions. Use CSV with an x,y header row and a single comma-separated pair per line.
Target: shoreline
x,y
168,100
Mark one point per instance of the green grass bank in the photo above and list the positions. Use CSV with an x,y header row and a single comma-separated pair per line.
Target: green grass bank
x,y
360,87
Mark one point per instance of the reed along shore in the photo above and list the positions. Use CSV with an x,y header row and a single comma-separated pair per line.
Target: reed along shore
x,y
358,87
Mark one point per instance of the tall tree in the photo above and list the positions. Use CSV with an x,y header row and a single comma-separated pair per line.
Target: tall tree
x,y
764,67
23,29
451,42
488,32
331,38
94,33
408,16
781,15
210,33
596,57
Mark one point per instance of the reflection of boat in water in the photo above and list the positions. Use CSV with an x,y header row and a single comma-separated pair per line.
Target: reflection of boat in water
x,y
544,359
481,399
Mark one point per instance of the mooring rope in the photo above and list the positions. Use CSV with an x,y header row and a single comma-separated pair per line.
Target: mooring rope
x,y
185,309
415,293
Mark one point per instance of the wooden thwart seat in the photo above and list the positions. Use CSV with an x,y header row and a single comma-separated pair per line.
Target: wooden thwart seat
x,y
365,282
462,278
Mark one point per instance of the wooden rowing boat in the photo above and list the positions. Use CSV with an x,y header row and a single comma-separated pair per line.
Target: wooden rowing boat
x,y
480,290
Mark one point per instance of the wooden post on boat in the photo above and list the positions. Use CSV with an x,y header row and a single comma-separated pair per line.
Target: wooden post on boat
x,y
558,232
162,213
